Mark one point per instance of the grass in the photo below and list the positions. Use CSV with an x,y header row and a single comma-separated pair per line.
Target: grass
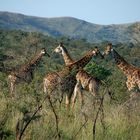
x,y
119,122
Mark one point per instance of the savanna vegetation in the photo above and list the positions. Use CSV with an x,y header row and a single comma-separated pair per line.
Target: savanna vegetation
x,y
32,116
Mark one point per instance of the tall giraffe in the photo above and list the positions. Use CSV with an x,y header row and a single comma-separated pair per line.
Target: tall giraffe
x,y
65,78
25,72
131,72
84,81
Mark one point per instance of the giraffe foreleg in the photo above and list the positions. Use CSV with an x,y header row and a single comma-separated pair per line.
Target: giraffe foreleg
x,y
12,86
81,97
44,86
11,80
94,89
77,90
67,101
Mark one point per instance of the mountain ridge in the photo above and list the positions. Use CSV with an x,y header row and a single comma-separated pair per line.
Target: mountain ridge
x,y
72,28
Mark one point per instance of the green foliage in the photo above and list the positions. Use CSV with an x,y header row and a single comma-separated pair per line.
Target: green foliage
x,y
97,71
4,133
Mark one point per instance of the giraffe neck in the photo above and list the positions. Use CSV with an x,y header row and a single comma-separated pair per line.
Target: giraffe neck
x,y
36,59
123,64
83,61
67,58
30,66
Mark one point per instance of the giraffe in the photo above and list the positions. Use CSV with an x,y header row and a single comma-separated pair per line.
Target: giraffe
x,y
83,79
25,72
65,78
131,72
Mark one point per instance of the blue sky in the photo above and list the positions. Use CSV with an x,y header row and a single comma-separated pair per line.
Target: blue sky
x,y
95,11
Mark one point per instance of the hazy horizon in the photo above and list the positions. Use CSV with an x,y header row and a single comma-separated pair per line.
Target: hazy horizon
x,y
68,17
94,11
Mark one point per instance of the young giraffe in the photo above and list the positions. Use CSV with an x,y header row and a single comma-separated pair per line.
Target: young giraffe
x,y
131,72
84,80
66,78
25,72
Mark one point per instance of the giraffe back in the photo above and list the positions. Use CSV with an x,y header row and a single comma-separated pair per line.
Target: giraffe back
x,y
85,79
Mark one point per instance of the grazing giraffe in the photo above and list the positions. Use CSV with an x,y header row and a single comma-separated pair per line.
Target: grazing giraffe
x,y
131,72
84,80
25,72
65,78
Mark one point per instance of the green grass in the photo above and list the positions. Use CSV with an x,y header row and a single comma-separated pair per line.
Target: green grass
x,y
120,122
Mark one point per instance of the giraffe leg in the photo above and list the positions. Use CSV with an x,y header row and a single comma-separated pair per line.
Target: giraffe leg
x,y
12,89
138,83
128,84
94,89
11,80
81,97
67,102
77,89
132,88
44,86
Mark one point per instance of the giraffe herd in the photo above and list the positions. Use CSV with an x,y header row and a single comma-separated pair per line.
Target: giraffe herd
x,y
73,79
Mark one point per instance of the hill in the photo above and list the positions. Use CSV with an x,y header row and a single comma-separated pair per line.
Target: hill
x,y
72,28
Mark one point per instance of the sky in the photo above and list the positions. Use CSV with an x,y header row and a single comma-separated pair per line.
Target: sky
x,y
103,12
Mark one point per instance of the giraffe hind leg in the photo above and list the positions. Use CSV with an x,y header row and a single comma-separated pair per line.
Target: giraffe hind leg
x,y
138,83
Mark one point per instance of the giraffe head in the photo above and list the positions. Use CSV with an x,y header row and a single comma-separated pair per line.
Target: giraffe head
x,y
97,52
60,49
43,52
108,49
